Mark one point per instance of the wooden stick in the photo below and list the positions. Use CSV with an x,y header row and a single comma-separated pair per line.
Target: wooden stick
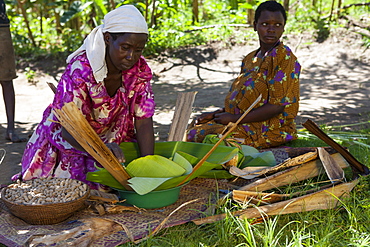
x,y
233,126
52,87
356,166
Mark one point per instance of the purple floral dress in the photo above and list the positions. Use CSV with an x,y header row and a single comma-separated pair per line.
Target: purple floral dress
x,y
47,153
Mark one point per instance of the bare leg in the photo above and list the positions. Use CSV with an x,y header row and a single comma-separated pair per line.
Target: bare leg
x,y
9,99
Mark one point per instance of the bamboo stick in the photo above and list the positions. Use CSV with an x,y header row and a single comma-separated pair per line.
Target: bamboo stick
x,y
75,123
233,126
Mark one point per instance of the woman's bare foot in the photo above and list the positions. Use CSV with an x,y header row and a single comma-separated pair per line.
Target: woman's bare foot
x,y
13,137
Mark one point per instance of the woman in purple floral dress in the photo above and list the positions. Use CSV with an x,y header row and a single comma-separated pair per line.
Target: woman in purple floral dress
x,y
109,80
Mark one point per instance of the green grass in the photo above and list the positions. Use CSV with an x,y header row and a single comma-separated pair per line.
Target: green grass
x,y
346,225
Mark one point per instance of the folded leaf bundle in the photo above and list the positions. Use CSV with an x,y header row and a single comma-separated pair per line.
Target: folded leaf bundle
x,y
154,172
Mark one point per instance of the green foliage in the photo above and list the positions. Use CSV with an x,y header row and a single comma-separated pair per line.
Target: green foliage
x,y
30,75
323,30
60,26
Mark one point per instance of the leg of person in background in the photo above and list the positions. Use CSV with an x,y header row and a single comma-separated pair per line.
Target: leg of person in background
x,y
9,100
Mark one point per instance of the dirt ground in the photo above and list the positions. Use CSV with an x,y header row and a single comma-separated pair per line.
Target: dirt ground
x,y
335,85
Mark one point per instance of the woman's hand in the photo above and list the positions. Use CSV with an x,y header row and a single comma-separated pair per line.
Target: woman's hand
x,y
117,151
259,114
206,116
225,118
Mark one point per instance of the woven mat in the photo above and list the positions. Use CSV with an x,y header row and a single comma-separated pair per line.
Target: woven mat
x,y
15,232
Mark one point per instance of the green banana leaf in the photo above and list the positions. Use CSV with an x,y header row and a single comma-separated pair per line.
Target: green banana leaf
x,y
217,174
252,157
173,182
183,162
261,159
213,139
144,185
154,166
247,156
185,154
102,176
220,155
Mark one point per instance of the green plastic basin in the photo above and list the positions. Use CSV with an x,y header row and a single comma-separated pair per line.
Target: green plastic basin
x,y
154,199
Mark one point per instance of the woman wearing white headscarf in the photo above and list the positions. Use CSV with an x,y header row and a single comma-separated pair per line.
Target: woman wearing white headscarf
x,y
109,80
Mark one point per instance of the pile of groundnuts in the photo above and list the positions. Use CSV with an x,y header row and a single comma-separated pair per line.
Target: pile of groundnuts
x,y
45,191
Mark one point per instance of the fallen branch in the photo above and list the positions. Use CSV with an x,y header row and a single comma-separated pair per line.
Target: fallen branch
x,y
217,25
355,5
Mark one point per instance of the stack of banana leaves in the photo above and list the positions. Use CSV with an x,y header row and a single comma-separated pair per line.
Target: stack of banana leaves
x,y
172,164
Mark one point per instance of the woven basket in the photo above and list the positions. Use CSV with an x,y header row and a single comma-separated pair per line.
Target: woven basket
x,y
45,214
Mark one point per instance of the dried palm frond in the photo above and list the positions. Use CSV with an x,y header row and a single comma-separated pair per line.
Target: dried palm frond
x,y
75,123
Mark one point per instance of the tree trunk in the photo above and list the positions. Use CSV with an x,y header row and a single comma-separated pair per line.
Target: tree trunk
x,y
112,4
57,22
250,14
331,9
146,10
30,35
152,22
286,5
195,11
339,7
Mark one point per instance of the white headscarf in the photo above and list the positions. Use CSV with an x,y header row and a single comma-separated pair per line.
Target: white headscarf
x,y
125,19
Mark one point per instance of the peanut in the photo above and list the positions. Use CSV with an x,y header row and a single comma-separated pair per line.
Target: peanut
x,y
45,191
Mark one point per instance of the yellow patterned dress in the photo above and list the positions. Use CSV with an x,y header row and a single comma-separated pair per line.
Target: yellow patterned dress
x,y
276,77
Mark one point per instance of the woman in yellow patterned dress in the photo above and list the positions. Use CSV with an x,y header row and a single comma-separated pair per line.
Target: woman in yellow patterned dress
x,y
271,71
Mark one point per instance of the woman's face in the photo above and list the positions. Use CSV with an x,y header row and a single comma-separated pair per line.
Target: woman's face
x,y
126,50
270,27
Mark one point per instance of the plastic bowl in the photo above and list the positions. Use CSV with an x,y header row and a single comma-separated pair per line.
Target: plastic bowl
x,y
154,199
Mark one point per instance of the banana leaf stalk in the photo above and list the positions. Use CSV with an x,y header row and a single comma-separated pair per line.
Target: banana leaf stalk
x,y
73,121
232,127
